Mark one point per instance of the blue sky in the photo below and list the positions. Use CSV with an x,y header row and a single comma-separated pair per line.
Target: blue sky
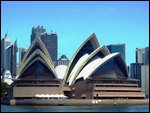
x,y
113,22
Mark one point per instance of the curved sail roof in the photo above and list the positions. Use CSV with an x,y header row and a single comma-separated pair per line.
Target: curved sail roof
x,y
36,44
90,60
98,62
43,62
87,47
77,67
37,52
101,51
60,70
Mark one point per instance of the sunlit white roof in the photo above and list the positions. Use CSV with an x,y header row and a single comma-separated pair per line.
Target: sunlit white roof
x,y
60,70
92,66
94,45
77,67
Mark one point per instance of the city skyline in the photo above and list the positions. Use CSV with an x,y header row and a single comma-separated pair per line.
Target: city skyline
x,y
113,23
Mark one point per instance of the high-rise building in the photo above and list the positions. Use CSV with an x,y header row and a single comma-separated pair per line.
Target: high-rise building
x,y
117,48
146,58
142,60
12,58
50,42
135,71
5,42
3,53
36,32
63,60
22,52
145,79
128,67
15,48
140,55
9,55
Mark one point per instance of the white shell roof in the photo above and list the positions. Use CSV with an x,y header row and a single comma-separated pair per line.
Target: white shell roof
x,y
83,61
84,66
44,57
60,70
92,66
95,45
77,67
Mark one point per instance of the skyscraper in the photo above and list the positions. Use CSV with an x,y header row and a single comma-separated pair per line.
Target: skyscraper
x,y
9,55
135,71
140,55
5,42
37,32
145,79
146,58
14,58
139,69
22,52
50,42
117,48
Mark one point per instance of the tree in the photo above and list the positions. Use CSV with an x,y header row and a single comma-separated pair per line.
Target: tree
x,y
4,88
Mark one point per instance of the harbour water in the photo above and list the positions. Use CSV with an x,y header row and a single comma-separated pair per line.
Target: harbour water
x,y
132,108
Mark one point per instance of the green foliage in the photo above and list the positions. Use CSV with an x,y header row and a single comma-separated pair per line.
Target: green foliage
x,y
4,87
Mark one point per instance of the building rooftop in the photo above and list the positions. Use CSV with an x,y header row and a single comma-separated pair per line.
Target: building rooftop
x,y
7,37
9,46
63,57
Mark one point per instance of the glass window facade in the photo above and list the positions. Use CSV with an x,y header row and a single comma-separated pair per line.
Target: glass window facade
x,y
117,48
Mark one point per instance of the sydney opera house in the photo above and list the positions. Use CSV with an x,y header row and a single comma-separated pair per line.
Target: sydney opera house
x,y
92,73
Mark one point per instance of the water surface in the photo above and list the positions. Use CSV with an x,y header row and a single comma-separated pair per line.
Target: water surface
x,y
132,108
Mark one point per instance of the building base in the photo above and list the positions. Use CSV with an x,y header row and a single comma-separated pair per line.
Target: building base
x,y
80,102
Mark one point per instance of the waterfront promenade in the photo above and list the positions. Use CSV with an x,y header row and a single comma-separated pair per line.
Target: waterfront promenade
x,y
80,102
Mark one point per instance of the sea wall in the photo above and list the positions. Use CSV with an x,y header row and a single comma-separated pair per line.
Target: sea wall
x,y
79,102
